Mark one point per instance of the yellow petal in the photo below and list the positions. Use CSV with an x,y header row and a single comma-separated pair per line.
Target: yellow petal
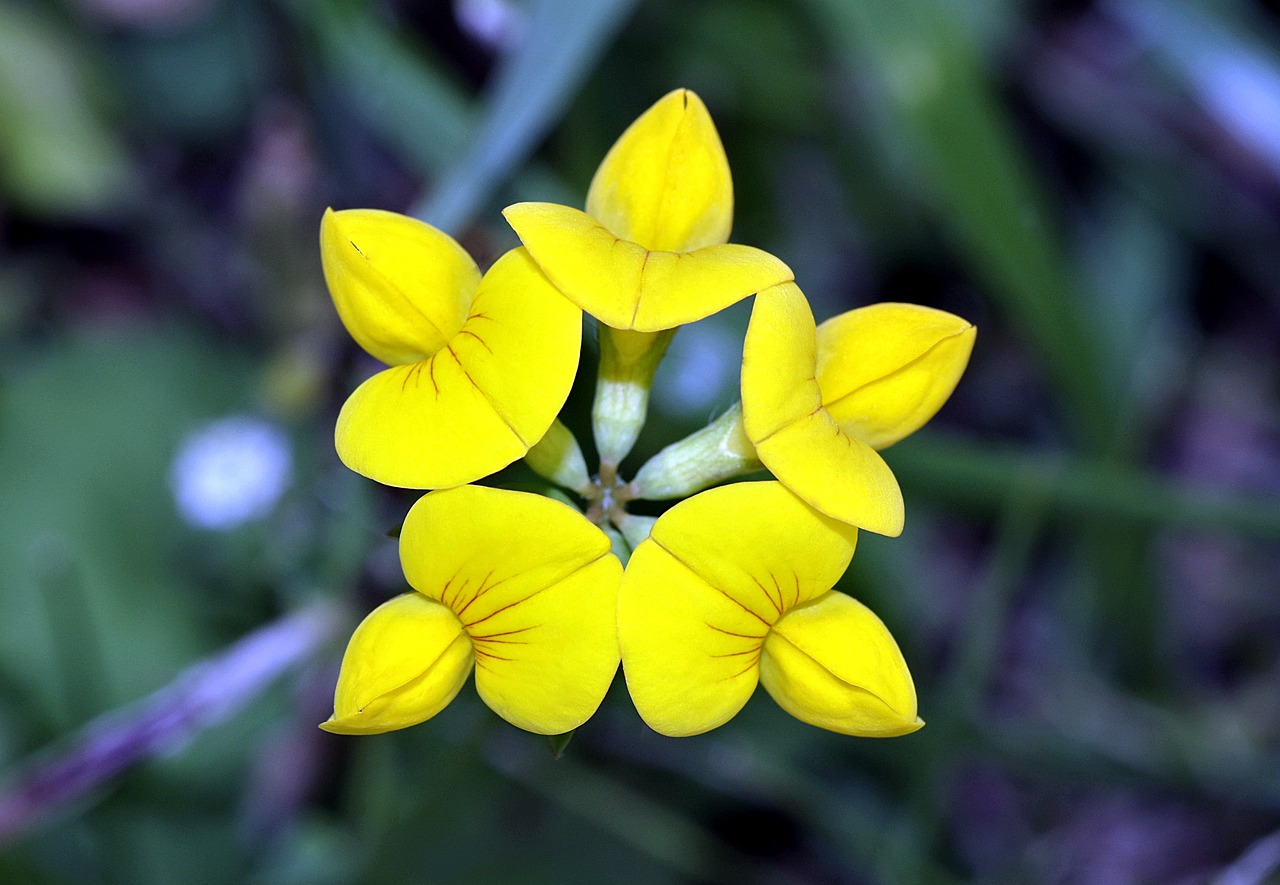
x,y
701,593
757,543
424,426
841,476
793,434
690,654
833,664
535,585
626,286
405,662
480,402
401,287
456,541
886,369
544,662
665,183
779,356
520,345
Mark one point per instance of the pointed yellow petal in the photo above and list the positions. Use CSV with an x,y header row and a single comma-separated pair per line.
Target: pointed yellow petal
x,y
401,287
794,435
886,369
833,664
627,287
535,585
480,402
665,183
699,596
404,664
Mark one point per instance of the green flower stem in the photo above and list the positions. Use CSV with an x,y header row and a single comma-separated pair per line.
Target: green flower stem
x,y
717,452
628,360
557,457
635,529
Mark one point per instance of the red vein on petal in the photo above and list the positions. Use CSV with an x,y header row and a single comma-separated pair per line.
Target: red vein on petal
x,y
557,582
484,394
731,633
490,636
699,576
465,331
745,670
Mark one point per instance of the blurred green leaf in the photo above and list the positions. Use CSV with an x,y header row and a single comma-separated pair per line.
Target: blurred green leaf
x,y
95,424
58,154
529,94
197,81
978,475
396,86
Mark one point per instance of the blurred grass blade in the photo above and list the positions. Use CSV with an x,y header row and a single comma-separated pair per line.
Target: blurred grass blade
x,y
423,112
977,474
564,40
962,152
204,695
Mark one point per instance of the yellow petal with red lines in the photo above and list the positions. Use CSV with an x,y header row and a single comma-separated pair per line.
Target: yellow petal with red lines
x,y
534,585
478,403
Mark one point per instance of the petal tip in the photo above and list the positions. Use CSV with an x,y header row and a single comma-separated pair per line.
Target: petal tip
x,y
893,526
340,725
907,727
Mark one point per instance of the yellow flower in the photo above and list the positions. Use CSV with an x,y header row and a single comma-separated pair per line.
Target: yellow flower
x,y
520,585
817,403
733,587
479,366
651,252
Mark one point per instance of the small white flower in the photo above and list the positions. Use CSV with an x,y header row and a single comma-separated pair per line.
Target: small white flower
x,y
230,472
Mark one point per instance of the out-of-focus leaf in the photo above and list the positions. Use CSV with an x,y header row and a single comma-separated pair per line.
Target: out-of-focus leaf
x,y
979,475
1134,277
561,45
88,433
1215,48
58,156
396,87
423,112
194,82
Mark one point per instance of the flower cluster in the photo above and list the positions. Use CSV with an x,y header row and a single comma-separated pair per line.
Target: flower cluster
x,y
728,588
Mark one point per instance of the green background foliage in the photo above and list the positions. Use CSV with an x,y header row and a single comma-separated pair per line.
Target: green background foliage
x,y
1086,590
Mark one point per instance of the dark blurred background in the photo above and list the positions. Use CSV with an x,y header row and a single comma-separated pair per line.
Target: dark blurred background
x,y
1087,588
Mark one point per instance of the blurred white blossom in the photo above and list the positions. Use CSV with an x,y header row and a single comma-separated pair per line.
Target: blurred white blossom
x,y
230,472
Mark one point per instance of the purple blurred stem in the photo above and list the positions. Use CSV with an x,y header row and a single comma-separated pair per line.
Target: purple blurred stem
x,y
201,697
